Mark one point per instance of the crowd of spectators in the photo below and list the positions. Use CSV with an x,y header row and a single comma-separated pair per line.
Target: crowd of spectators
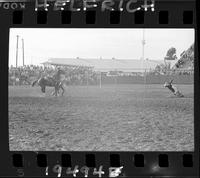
x,y
25,75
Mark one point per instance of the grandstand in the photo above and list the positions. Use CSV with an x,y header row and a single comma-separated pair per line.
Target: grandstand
x,y
106,65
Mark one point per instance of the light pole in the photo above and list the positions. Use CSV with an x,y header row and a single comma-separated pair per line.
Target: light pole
x,y
23,50
143,44
143,57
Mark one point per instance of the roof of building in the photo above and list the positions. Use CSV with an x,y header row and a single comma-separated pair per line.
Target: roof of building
x,y
127,65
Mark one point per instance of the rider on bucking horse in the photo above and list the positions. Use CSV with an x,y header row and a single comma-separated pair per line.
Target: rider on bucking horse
x,y
52,81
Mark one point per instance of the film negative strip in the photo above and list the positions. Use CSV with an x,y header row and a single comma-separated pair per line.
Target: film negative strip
x,y
99,88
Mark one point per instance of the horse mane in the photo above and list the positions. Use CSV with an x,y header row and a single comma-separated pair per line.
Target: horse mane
x,y
171,81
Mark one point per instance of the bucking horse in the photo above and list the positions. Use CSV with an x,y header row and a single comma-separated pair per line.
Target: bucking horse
x,y
51,81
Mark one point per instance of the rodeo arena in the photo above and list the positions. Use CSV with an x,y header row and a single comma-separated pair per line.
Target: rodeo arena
x,y
84,104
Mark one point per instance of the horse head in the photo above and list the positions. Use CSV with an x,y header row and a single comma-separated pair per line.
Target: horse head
x,y
168,84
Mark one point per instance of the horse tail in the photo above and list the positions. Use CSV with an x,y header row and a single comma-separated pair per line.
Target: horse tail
x,y
34,82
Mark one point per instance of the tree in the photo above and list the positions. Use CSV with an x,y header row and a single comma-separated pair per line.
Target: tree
x,y
171,54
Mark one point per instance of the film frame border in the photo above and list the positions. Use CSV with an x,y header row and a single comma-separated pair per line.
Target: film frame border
x,y
28,166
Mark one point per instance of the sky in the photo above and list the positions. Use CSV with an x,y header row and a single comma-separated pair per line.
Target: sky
x,y
42,44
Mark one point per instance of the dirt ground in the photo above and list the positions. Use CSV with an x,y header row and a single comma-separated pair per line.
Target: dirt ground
x,y
111,118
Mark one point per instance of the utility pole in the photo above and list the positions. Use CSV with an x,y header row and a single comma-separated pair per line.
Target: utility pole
x,y
17,51
23,50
